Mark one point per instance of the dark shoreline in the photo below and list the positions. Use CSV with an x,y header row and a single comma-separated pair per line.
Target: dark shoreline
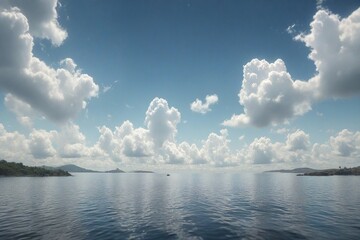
x,y
12,169
355,171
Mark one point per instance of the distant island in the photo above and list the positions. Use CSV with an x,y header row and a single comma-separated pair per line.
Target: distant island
x,y
332,172
117,170
76,169
18,169
295,170
316,172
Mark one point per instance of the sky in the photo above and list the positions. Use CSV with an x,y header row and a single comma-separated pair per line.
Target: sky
x,y
180,85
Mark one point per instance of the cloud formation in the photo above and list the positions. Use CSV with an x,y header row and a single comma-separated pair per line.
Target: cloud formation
x,y
161,121
200,107
335,50
58,94
270,96
41,17
298,140
346,143
129,145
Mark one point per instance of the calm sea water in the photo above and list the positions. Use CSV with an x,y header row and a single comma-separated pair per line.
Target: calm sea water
x,y
185,206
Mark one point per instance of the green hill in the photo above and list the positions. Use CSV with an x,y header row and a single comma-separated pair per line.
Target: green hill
x,y
331,172
18,169
74,168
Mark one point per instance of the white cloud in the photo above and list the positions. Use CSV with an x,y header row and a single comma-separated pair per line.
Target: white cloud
x,y
40,143
156,143
346,143
298,140
290,29
59,94
135,141
23,111
335,50
281,130
13,145
260,151
106,89
319,4
215,149
200,107
161,121
130,145
42,18
269,95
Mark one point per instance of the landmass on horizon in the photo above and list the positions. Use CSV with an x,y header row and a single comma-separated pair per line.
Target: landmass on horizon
x,y
18,169
317,172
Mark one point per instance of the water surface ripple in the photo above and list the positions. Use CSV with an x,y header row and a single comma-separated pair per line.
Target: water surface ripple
x,y
182,206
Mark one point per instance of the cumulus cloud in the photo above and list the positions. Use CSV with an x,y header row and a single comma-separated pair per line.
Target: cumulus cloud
x,y
71,142
298,140
130,145
129,142
335,50
161,121
269,95
13,145
42,18
136,141
216,149
346,143
200,107
260,151
40,143
156,143
23,111
58,94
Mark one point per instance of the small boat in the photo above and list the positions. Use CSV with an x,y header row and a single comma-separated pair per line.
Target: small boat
x,y
167,175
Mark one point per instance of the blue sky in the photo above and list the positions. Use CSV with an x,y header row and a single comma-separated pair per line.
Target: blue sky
x,y
171,53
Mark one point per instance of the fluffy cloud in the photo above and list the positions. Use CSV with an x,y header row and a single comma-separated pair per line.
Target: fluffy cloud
x,y
298,140
335,50
156,144
40,143
71,142
260,151
127,142
58,94
130,145
136,141
161,121
200,107
346,143
13,145
42,18
269,95
23,111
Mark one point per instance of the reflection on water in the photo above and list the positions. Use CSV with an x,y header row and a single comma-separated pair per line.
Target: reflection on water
x,y
199,206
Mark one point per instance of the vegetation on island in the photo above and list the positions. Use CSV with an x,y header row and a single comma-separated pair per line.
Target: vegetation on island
x,y
74,168
117,170
142,171
332,172
18,169
295,170
326,172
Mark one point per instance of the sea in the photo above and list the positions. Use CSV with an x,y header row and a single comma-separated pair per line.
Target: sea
x,y
180,206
